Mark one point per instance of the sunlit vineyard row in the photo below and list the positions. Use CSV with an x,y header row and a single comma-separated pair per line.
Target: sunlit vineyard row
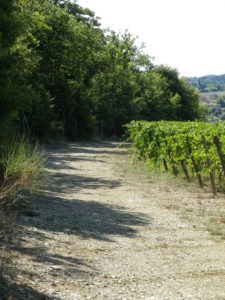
x,y
194,148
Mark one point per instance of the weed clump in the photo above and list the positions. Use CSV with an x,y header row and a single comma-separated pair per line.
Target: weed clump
x,y
23,162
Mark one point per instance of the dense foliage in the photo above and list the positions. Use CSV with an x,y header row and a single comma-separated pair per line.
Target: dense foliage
x,y
61,74
181,145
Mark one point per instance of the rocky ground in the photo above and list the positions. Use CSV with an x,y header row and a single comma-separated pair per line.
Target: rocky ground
x,y
107,233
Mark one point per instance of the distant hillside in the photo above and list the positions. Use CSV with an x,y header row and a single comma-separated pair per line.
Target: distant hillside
x,y
209,83
212,91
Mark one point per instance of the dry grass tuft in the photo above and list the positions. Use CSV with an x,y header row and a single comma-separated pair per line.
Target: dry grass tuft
x,y
23,164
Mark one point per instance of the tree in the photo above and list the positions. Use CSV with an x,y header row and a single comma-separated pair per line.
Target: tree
x,y
114,87
187,99
8,33
62,74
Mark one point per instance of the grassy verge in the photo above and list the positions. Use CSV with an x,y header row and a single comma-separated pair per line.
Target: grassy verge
x,y
23,163
193,205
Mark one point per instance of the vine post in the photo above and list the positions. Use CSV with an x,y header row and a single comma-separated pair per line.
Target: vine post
x,y
158,144
220,152
199,177
2,173
209,165
175,171
182,162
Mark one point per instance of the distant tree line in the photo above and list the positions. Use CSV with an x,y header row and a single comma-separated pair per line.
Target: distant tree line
x,y
61,74
209,83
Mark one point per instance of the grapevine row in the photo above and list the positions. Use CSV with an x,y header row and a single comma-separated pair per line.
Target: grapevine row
x,y
196,147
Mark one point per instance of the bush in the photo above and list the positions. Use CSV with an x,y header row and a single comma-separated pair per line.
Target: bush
x,y
23,162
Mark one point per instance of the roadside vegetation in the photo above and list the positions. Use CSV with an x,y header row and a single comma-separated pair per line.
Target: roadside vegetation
x,y
22,165
185,155
197,206
194,149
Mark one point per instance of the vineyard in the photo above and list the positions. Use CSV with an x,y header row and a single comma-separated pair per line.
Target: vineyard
x,y
193,148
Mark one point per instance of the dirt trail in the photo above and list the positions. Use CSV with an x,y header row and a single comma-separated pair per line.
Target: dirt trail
x,y
103,234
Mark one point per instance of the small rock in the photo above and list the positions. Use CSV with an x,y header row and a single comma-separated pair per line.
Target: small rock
x,y
56,267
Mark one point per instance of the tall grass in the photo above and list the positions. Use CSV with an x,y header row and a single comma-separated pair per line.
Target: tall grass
x,y
23,163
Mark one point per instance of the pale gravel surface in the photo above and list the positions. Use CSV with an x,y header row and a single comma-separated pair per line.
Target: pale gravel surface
x,y
106,234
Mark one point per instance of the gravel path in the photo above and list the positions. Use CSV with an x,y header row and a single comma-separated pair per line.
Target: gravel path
x,y
105,234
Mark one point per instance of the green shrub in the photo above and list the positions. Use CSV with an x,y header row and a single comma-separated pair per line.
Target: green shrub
x,y
23,163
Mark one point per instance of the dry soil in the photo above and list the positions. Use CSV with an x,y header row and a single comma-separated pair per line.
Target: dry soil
x,y
107,233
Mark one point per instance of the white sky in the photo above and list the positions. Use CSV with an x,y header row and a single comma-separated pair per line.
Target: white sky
x,y
185,34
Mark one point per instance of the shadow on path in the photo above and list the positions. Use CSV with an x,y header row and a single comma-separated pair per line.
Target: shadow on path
x,y
10,290
88,219
62,154
71,183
